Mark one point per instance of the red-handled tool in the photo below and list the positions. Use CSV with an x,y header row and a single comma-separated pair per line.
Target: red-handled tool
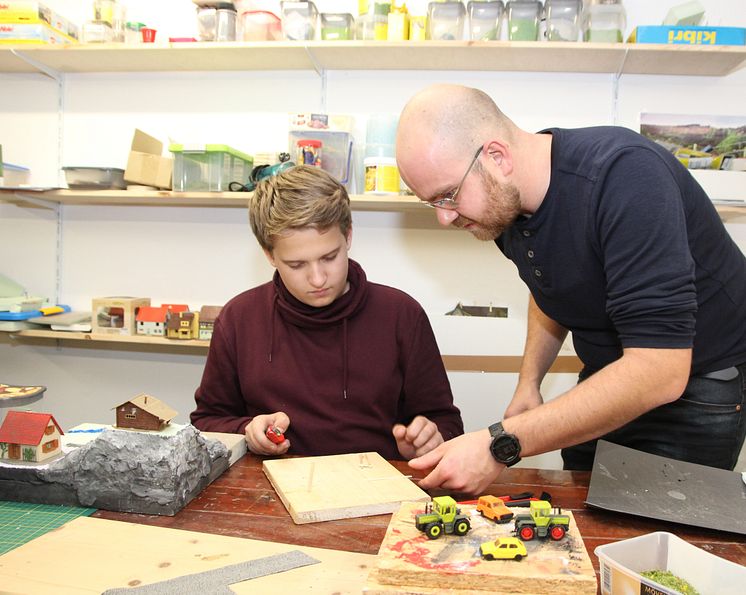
x,y
275,435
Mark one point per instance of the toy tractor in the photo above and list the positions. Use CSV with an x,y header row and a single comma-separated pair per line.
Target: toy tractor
x,y
541,521
441,515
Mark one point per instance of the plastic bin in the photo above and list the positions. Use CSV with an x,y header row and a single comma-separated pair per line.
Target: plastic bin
x,y
622,562
94,177
209,168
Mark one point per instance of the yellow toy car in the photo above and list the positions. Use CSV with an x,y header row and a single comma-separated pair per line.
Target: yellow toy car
x,y
503,548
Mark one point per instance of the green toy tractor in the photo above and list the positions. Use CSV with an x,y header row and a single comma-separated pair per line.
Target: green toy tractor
x,y
442,516
542,521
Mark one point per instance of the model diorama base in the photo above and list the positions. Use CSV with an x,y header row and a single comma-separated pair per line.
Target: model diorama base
x,y
122,471
408,562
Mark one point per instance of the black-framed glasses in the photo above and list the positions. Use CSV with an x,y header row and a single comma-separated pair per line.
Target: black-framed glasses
x,y
448,200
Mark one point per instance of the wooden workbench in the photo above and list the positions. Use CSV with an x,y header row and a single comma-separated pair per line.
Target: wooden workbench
x,y
242,503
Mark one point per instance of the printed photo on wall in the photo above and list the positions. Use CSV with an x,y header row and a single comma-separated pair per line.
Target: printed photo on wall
x,y
700,141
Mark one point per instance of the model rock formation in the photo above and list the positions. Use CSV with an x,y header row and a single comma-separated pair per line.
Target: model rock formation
x,y
123,471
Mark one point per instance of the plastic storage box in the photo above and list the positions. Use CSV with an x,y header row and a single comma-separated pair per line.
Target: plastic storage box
x,y
99,178
209,168
622,562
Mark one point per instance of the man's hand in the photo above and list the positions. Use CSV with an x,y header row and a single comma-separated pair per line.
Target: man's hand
x,y
255,434
524,398
463,464
418,438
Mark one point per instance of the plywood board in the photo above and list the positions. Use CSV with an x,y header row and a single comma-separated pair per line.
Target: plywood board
x,y
340,486
90,555
410,563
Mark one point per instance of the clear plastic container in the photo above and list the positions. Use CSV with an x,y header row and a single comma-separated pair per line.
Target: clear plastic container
x,y
225,24
260,25
621,562
299,20
445,20
563,19
485,19
209,168
523,19
97,32
337,25
94,177
604,21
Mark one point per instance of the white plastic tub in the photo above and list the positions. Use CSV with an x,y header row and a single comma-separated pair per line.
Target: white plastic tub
x,y
622,562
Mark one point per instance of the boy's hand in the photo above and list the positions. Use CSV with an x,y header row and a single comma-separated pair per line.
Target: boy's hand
x,y
418,438
256,436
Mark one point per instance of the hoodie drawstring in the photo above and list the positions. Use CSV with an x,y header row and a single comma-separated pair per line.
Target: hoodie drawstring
x,y
344,357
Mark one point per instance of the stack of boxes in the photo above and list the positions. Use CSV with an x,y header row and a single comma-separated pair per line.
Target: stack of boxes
x,y
34,23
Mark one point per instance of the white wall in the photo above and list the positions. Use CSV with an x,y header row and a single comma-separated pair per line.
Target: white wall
x,y
205,256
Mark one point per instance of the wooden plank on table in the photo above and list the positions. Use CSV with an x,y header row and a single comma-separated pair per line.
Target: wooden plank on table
x,y
408,562
89,555
340,486
235,443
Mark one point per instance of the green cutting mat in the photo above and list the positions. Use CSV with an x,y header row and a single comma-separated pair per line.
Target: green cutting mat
x,y
21,522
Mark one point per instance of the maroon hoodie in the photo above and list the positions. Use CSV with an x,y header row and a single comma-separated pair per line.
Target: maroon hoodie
x,y
344,373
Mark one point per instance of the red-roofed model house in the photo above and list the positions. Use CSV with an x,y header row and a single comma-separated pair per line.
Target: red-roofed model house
x,y
29,436
151,320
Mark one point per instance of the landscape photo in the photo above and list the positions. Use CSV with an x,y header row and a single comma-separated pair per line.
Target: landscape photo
x,y
700,141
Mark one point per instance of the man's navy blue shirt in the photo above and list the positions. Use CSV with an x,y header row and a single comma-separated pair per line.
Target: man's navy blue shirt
x,y
627,250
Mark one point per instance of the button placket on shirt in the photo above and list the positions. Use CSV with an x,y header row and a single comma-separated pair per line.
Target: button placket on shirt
x,y
531,254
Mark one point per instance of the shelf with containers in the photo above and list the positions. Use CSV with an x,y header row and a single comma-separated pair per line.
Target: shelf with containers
x,y
319,56
167,198
508,364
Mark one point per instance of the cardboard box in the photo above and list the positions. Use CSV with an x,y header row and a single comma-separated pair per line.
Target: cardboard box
x,y
116,315
33,13
26,33
689,35
146,164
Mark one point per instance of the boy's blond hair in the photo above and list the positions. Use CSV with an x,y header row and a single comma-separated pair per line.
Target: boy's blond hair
x,y
297,198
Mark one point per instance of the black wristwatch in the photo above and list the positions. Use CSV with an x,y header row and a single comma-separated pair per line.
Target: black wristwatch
x,y
505,447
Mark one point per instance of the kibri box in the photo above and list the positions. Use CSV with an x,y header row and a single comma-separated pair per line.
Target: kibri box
x,y
689,35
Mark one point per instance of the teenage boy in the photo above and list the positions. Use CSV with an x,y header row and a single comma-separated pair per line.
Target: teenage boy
x,y
337,363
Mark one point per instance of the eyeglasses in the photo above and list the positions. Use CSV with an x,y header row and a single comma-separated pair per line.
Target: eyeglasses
x,y
448,200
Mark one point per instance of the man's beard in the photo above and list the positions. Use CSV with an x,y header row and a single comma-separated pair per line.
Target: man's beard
x,y
502,207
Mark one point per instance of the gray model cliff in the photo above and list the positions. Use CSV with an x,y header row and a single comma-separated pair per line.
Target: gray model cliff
x,y
122,471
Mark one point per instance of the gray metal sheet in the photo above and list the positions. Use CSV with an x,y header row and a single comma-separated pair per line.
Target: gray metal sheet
x,y
634,482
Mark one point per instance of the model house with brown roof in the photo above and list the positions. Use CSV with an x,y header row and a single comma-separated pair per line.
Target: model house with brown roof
x,y
29,436
151,320
182,325
207,316
144,412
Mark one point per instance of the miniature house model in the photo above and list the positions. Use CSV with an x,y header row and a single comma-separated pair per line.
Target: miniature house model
x,y
207,316
151,320
28,436
182,325
144,412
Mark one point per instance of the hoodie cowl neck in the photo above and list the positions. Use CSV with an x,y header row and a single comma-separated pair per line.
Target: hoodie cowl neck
x,y
345,306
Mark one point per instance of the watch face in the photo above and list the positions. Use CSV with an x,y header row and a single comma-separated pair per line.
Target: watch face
x,y
505,449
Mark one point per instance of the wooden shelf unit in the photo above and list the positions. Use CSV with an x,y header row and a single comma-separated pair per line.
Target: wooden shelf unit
x,y
526,56
168,198
509,364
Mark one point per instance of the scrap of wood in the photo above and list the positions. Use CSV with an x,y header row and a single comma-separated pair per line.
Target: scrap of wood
x,y
339,486
90,555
